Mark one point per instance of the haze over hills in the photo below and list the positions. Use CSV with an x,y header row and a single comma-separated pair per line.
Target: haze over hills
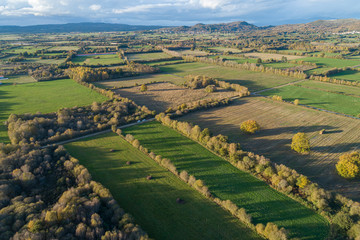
x,y
76,27
340,25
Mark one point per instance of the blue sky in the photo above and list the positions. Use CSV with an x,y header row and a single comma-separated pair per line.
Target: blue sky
x,y
176,12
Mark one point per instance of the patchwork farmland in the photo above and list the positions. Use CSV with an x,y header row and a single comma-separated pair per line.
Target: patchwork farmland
x,y
279,122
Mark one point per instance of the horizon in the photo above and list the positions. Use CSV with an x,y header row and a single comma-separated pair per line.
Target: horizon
x,y
95,22
174,13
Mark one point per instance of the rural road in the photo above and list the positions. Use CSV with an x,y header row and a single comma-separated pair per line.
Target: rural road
x,y
96,133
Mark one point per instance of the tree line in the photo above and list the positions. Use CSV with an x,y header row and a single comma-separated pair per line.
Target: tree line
x,y
343,213
269,231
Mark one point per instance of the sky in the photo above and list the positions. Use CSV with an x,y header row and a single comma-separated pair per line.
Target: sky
x,y
175,12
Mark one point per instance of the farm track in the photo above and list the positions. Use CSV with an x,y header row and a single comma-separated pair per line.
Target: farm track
x,y
279,123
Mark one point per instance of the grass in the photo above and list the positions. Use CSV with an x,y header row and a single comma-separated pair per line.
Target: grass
x,y
64,48
29,49
164,62
18,79
329,63
350,75
265,56
147,56
227,182
318,98
279,122
336,88
153,203
225,49
253,80
43,97
98,59
236,59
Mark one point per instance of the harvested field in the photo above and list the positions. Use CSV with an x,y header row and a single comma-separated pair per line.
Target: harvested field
x,y
161,96
279,122
266,56
132,81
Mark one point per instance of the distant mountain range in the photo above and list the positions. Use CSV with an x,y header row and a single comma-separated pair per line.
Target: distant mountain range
x,y
340,25
76,27
240,26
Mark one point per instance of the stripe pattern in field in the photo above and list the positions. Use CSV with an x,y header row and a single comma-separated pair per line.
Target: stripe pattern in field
x,y
225,181
153,202
279,122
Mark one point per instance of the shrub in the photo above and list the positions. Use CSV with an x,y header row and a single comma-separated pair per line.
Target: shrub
x,y
210,89
250,126
348,165
300,143
143,88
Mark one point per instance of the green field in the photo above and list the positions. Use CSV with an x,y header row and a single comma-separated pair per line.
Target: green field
x,y
153,203
18,79
318,98
98,59
43,97
147,56
253,80
29,49
350,75
236,59
225,49
227,182
164,62
329,63
335,88
64,48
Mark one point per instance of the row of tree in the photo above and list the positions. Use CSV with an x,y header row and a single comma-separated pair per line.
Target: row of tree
x,y
47,194
342,212
270,231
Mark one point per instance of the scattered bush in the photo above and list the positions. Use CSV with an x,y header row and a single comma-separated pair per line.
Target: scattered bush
x,y
249,126
348,165
300,143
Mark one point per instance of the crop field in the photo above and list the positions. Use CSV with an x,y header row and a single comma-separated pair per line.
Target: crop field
x,y
335,88
192,53
319,98
161,96
236,58
29,49
266,56
227,182
329,63
225,49
98,59
18,79
253,80
147,56
43,97
153,202
350,75
64,48
279,122
138,80
45,61
158,63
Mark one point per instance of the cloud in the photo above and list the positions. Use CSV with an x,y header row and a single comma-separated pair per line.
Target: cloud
x,y
175,12
95,7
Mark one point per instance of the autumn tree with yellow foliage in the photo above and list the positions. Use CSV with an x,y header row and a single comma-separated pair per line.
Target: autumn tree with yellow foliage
x,y
300,143
348,165
249,126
